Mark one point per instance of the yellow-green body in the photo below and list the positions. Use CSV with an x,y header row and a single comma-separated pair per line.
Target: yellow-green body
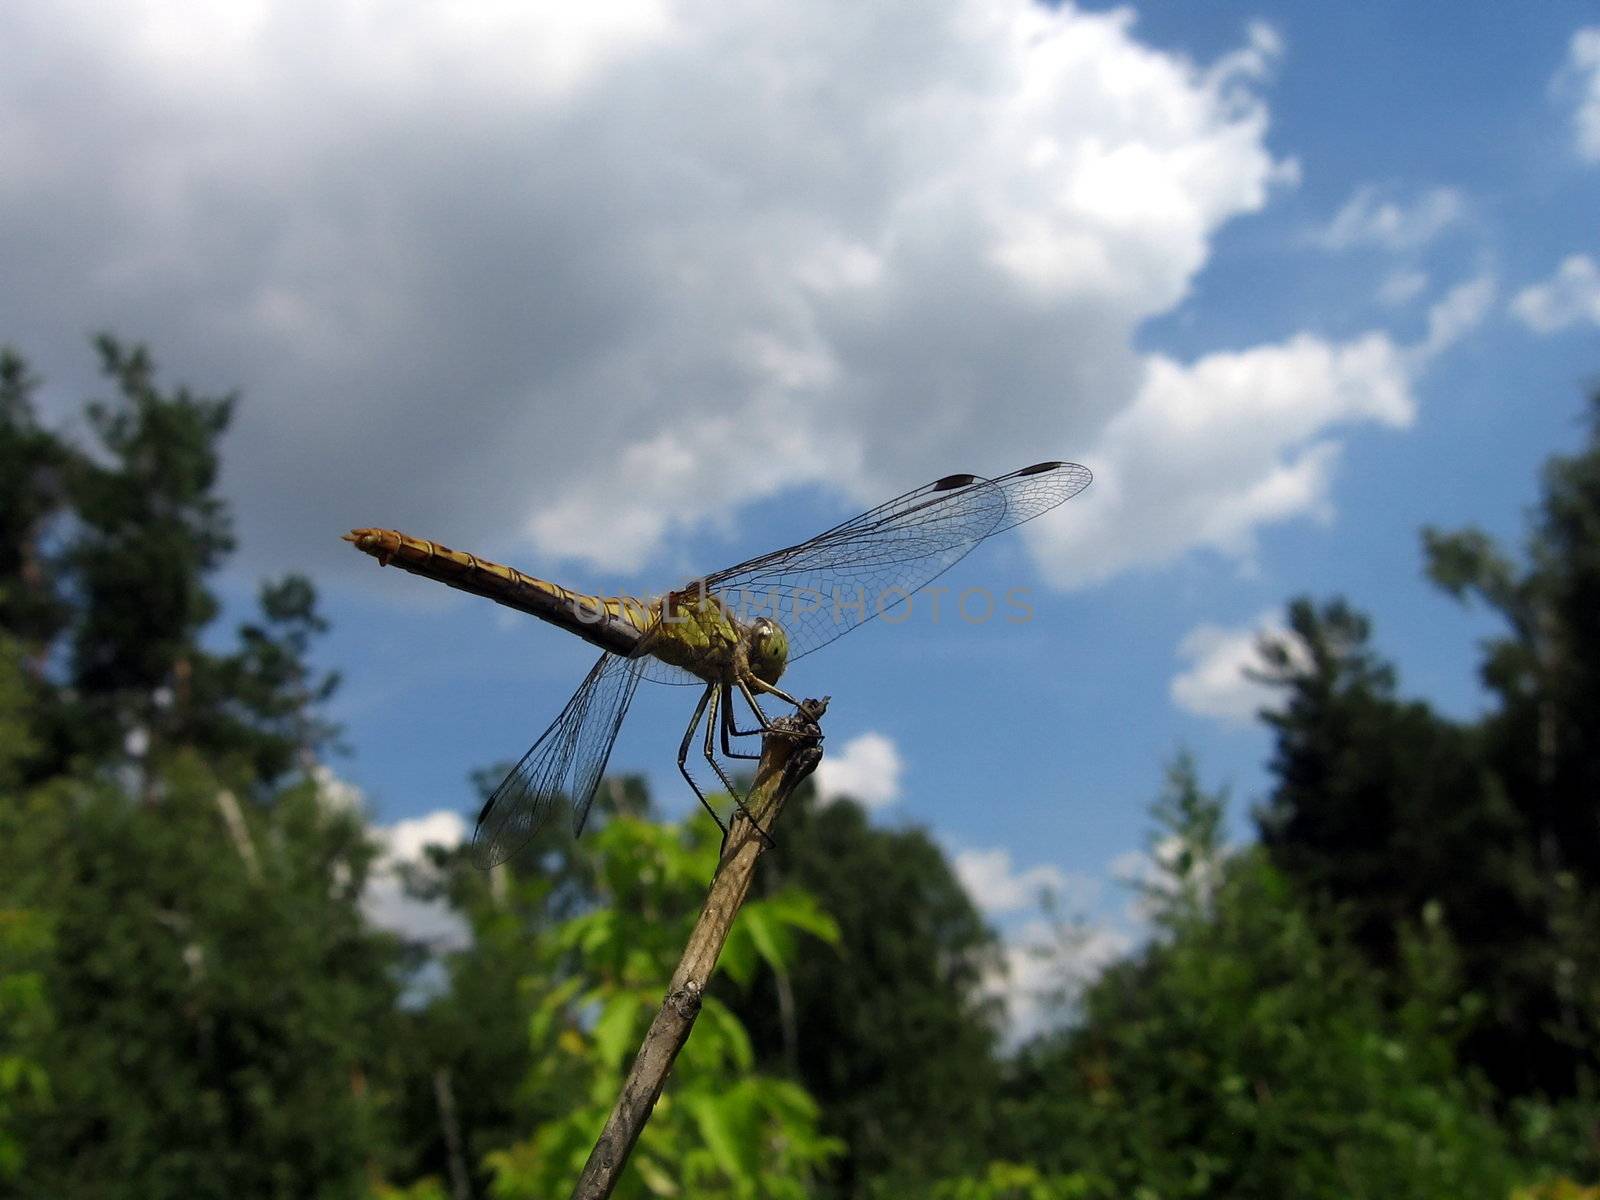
x,y
698,633
688,629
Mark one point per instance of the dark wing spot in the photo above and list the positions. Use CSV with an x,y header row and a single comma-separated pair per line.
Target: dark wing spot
x,y
951,482
1040,468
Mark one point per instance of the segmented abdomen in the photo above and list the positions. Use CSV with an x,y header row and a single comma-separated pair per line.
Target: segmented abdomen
x,y
613,623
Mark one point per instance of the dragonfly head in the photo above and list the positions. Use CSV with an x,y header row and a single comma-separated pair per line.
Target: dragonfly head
x,y
767,648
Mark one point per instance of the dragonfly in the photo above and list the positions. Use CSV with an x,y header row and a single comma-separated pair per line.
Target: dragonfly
x,y
733,633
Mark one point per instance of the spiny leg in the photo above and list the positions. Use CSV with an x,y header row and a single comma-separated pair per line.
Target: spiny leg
x,y
683,756
730,726
711,757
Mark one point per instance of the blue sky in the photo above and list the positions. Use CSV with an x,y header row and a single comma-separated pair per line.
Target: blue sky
x,y
623,295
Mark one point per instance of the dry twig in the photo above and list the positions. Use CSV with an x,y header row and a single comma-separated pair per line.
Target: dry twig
x,y
786,759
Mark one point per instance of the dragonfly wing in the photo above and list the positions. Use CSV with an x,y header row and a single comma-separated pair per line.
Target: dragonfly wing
x,y
563,767
821,589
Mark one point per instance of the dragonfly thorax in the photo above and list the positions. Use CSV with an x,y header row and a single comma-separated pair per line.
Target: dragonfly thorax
x,y
707,638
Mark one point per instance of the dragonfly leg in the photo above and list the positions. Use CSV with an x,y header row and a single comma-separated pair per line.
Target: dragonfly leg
x,y
711,757
683,756
765,726
730,726
771,690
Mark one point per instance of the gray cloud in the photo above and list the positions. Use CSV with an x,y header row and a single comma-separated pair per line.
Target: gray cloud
x,y
590,280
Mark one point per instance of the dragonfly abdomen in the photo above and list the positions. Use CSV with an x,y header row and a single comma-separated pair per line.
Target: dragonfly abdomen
x,y
613,623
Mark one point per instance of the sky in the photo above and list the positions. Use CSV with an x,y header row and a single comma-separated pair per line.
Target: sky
x,y
622,294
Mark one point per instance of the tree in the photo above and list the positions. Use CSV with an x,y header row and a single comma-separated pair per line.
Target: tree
x,y
1379,803
1246,1052
153,529
25,947
1546,670
32,495
1542,743
205,1007
219,1002
1383,807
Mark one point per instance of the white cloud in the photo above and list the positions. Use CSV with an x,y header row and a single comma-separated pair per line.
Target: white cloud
x,y
1215,684
1370,219
1046,969
997,887
386,903
1401,287
334,791
1569,297
866,769
1134,868
401,845
1209,452
1049,958
1460,311
406,839
602,277
1580,78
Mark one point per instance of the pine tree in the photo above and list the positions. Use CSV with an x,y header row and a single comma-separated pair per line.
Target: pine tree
x,y
1246,1051
32,495
1543,743
1384,807
210,1011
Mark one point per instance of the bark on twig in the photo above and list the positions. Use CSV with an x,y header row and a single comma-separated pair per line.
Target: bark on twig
x,y
785,761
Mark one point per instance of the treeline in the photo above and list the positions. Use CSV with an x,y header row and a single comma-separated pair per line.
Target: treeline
x,y
1394,991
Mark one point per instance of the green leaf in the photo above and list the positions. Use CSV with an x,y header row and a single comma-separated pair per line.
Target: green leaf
x,y
800,910
655,1177
739,957
614,1031
731,1034
727,1121
770,939
553,1005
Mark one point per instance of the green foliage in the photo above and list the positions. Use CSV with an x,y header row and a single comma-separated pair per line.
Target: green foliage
x,y
720,1129
1379,803
427,1188
219,1002
467,1039
1384,808
25,1021
1186,843
1541,744
1013,1181
891,1033
1557,1189
153,527
18,743
193,1003
25,949
32,495
1246,1053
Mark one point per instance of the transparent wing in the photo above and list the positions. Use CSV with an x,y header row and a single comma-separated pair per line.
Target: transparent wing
x,y
823,588
563,767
